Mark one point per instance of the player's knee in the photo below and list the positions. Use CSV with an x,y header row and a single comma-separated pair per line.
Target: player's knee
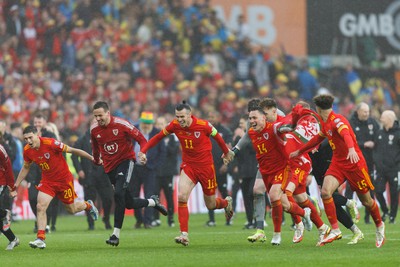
x,y
41,207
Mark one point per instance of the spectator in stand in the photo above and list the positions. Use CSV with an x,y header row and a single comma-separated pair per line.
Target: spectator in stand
x,y
15,23
308,83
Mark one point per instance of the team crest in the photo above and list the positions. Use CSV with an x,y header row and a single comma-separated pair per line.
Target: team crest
x,y
47,155
115,131
266,136
391,137
197,134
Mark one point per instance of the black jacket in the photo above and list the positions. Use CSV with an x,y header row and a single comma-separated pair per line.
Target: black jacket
x,y
226,134
321,161
365,131
246,161
156,154
169,164
387,150
93,173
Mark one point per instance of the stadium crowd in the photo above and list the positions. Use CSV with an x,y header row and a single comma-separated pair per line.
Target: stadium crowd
x,y
61,56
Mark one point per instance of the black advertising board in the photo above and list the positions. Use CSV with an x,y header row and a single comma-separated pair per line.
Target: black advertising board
x,y
337,26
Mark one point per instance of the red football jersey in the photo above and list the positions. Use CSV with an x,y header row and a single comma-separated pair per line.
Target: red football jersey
x,y
114,142
195,140
6,173
50,160
307,125
269,150
331,129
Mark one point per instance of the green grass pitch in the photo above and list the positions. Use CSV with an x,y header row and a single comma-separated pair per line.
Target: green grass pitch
x,y
73,245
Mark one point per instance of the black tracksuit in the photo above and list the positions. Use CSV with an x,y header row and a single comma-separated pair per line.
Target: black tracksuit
x,y
387,163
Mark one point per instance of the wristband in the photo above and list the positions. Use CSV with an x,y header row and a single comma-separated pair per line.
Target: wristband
x,y
13,188
235,150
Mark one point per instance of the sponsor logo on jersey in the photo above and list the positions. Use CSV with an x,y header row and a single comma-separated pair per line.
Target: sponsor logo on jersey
x,y
111,148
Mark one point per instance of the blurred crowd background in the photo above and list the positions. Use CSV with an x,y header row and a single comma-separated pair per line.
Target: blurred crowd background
x,y
60,56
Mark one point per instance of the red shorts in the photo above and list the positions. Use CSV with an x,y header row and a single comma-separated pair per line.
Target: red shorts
x,y
63,191
358,178
278,177
205,175
298,176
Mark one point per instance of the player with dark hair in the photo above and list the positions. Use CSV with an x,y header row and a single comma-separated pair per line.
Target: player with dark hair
x,y
57,180
112,145
197,163
347,163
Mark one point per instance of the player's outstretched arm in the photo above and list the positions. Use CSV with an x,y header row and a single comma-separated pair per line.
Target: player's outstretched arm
x,y
21,176
79,153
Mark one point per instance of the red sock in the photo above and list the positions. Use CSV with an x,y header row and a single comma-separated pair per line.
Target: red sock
x,y
296,218
220,203
41,234
294,208
277,212
330,211
315,218
376,216
183,216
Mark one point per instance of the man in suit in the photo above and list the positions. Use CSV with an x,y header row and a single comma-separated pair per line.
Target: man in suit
x,y
145,175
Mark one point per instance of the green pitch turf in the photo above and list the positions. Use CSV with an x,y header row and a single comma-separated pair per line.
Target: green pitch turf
x,y
73,245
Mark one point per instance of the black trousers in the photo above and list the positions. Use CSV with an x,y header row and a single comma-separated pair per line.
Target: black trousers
x,y
165,183
98,185
143,176
123,195
380,187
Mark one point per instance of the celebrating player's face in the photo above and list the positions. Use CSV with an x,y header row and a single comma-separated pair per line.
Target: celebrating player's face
x,y
270,114
257,120
102,117
32,140
183,117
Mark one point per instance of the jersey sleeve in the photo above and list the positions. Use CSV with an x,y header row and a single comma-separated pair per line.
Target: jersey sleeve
x,y
58,146
153,141
5,162
95,148
134,133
